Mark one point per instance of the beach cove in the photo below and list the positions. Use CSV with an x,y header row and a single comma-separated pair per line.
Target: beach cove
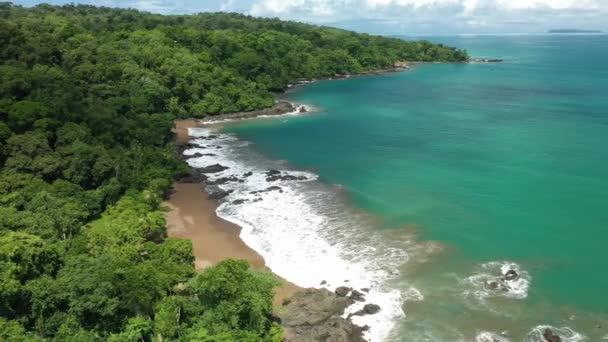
x,y
399,237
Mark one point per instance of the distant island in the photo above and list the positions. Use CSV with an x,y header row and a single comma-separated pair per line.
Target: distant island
x,y
573,31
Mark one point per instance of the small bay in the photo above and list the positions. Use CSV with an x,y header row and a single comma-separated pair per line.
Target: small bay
x,y
498,164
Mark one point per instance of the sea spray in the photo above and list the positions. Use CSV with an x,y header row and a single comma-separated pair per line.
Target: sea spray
x,y
304,231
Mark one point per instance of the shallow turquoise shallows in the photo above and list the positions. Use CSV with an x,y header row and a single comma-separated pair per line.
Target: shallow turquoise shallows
x,y
495,162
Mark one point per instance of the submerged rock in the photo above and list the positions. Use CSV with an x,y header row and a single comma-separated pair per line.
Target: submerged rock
x,y
271,188
511,275
239,201
248,174
492,285
224,180
549,336
316,315
215,168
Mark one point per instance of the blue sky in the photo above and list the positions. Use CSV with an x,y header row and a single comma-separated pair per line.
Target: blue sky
x,y
397,16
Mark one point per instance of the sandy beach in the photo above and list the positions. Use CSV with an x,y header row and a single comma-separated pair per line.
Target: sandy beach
x,y
192,216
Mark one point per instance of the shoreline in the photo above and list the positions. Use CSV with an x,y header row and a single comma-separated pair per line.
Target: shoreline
x,y
305,312
192,215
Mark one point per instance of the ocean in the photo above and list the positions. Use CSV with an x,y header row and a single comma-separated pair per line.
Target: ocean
x,y
426,187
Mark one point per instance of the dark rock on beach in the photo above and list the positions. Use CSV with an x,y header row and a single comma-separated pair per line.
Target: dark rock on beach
x,y
239,201
219,194
215,168
193,177
316,315
549,336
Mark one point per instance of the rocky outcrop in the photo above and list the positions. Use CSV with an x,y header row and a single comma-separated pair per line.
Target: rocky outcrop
x,y
279,108
315,315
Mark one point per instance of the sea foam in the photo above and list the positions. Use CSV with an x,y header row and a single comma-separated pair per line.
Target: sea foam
x,y
304,231
495,272
565,333
486,336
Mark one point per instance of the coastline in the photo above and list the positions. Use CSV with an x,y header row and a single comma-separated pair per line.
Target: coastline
x,y
305,312
192,215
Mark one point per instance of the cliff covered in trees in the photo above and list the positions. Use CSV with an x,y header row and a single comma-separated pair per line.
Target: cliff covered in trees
x,y
87,100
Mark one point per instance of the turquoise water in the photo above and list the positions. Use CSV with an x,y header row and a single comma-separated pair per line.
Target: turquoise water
x,y
495,162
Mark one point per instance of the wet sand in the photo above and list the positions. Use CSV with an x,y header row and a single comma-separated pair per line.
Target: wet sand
x,y
192,216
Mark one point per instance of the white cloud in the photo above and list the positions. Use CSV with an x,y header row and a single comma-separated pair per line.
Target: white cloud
x,y
398,16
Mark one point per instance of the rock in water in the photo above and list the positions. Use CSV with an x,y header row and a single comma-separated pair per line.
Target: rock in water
x,y
492,285
213,168
511,275
342,291
356,295
550,336
219,194
316,315
368,309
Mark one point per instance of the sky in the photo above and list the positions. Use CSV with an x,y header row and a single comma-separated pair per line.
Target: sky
x,y
396,16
